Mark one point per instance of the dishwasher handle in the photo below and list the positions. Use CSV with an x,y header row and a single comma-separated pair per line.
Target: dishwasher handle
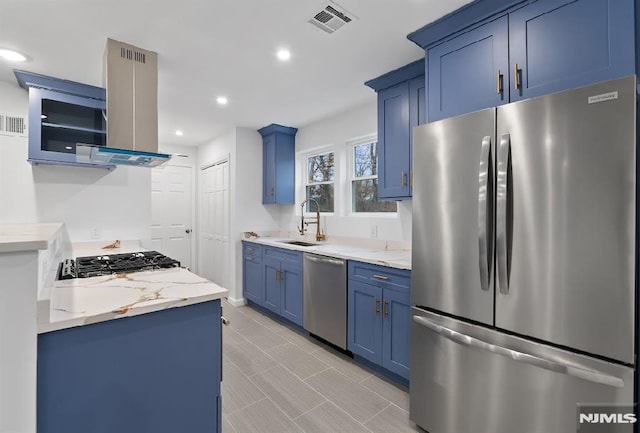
x,y
324,260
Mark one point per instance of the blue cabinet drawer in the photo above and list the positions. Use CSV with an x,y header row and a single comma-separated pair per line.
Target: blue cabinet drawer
x,y
382,276
289,256
251,249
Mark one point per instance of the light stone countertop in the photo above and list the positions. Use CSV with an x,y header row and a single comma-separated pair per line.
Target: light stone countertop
x,y
83,301
27,237
393,257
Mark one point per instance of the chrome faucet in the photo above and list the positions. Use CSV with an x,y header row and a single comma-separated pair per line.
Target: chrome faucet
x,y
319,236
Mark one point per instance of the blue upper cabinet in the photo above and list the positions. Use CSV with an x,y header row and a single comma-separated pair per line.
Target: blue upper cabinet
x,y
279,147
469,72
491,52
393,141
556,45
401,107
61,114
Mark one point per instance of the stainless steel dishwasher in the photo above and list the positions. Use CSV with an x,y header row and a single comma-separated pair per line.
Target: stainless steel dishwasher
x,y
325,298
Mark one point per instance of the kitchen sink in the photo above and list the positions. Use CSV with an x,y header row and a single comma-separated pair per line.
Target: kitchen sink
x,y
299,243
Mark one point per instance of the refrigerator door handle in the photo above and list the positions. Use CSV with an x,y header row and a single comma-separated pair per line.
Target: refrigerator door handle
x,y
502,193
484,186
536,361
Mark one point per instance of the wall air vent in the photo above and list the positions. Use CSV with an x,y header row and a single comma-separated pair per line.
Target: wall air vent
x,y
331,18
12,125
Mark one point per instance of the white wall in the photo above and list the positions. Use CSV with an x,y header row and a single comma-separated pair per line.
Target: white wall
x,y
117,203
336,131
243,147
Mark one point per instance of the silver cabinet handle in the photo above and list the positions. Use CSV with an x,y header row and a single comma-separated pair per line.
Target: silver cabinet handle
x,y
504,154
380,277
526,358
483,215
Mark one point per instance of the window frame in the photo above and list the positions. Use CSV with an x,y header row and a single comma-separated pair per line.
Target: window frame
x,y
305,175
351,177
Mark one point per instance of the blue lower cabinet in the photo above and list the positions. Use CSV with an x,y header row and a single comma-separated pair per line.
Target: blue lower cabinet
x,y
252,278
272,278
272,285
395,331
379,315
291,280
158,372
365,321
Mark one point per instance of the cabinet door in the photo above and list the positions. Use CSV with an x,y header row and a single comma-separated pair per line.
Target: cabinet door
x,y
57,121
393,141
464,72
285,170
269,170
365,321
292,293
395,332
271,275
252,280
417,116
559,45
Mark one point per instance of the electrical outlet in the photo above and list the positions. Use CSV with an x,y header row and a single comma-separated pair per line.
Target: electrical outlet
x,y
374,232
96,233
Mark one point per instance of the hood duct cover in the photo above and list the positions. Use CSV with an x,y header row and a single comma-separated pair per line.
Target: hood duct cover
x,y
131,79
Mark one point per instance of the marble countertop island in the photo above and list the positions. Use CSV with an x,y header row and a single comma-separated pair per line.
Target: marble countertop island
x,y
83,301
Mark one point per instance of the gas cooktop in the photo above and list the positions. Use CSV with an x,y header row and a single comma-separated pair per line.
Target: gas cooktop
x,y
107,264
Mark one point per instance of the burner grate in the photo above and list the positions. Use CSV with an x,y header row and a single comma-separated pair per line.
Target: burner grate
x,y
107,264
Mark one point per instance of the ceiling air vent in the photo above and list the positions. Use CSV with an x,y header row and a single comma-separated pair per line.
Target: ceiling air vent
x,y
12,124
331,18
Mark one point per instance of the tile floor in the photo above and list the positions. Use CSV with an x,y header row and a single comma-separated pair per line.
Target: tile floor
x,y
277,381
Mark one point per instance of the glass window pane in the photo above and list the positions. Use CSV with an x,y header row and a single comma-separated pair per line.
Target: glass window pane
x,y
365,160
323,194
320,167
365,197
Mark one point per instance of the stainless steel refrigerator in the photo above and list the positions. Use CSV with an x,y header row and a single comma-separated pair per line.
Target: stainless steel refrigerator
x,y
524,253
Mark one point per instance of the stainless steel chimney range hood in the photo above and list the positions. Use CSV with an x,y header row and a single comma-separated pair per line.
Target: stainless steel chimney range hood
x,y
131,79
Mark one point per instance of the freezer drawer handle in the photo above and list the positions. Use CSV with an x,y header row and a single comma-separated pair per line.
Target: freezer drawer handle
x,y
484,199
536,361
504,154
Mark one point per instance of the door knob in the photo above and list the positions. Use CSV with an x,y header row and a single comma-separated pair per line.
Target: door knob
x,y
187,231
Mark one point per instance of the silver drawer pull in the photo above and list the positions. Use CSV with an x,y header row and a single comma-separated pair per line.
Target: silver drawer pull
x,y
380,277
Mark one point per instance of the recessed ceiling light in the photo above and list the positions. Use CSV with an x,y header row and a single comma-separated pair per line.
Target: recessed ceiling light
x,y
179,133
221,100
12,56
283,54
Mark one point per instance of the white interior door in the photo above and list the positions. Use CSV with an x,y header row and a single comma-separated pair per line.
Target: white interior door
x,y
214,264
172,212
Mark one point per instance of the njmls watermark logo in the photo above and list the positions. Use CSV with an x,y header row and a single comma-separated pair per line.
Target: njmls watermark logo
x,y
606,418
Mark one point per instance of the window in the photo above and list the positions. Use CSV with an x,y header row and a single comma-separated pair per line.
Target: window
x,y
364,181
319,187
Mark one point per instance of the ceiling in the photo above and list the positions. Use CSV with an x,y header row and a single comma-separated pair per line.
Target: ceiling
x,y
209,48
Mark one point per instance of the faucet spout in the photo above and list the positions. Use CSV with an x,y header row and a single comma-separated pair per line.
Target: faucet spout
x,y
319,235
